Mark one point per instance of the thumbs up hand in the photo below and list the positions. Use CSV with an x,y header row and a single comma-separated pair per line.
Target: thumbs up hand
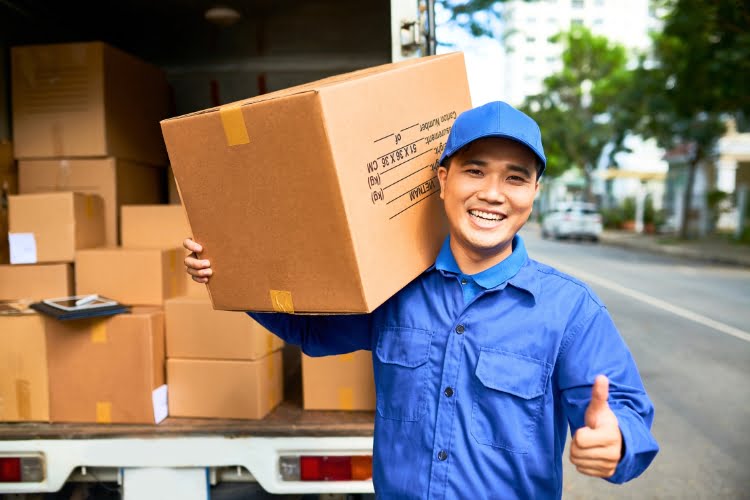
x,y
596,449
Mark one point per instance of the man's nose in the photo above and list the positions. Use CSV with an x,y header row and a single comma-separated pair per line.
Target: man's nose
x,y
491,191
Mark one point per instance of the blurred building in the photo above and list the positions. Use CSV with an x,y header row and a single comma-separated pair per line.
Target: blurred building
x,y
530,56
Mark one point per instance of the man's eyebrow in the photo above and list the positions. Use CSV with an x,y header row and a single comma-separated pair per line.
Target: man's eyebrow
x,y
520,168
474,161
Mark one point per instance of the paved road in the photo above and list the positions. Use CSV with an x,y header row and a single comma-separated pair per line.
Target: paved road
x,y
688,326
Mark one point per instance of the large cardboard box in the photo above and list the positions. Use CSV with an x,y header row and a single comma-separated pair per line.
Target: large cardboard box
x,y
118,182
343,382
321,198
24,391
51,227
107,370
36,281
196,330
131,276
87,99
224,389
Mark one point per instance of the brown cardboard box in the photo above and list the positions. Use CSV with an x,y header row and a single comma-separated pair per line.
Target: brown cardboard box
x,y
61,224
153,226
131,276
196,330
343,382
107,370
36,282
24,391
117,181
224,389
158,226
323,196
87,99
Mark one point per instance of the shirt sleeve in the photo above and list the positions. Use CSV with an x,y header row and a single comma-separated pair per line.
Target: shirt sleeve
x,y
320,335
593,347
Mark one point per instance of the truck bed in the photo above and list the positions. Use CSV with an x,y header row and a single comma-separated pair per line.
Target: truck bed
x,y
289,419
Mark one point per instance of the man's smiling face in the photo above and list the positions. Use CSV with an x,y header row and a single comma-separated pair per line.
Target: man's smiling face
x,y
488,191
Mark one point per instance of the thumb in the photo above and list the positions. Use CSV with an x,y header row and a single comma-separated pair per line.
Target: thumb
x,y
598,404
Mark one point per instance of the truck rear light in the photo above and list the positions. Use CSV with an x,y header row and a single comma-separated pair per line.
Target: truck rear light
x,y
21,469
326,468
10,470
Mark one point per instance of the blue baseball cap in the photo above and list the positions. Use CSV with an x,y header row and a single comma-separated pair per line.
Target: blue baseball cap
x,y
495,119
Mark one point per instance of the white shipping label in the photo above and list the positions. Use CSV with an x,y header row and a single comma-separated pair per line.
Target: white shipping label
x,y
159,398
22,248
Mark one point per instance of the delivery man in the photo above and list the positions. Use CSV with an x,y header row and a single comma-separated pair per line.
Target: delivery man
x,y
484,360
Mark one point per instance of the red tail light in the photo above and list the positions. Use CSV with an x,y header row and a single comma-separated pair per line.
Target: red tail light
x,y
335,468
10,470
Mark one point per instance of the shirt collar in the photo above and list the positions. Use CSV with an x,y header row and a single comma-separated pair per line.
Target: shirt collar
x,y
506,270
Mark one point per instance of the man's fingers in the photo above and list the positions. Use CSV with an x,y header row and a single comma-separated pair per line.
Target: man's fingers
x,y
200,280
200,273
192,262
192,246
601,453
598,404
596,472
586,438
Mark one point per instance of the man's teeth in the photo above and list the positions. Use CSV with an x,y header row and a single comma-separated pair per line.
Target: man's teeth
x,y
485,215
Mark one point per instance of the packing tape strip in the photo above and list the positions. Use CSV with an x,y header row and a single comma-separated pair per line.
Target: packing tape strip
x,y
281,300
346,398
234,124
103,412
99,332
346,358
23,399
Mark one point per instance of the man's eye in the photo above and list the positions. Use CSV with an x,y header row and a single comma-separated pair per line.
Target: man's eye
x,y
474,171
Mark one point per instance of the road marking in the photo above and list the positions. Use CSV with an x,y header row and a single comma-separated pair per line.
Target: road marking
x,y
656,302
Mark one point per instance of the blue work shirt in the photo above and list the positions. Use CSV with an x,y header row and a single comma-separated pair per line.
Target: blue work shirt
x,y
476,391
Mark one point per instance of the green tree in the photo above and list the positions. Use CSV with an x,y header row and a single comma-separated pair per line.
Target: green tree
x,y
695,78
574,108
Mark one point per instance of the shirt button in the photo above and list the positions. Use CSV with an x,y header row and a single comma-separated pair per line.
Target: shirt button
x,y
463,281
448,391
460,329
442,455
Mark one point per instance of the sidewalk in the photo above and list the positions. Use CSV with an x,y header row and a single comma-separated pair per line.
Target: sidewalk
x,y
716,250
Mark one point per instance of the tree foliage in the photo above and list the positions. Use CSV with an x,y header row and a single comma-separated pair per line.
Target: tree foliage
x,y
573,109
694,79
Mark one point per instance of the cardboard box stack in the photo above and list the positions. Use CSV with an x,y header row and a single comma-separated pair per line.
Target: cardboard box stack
x,y
87,140
86,118
220,364
336,217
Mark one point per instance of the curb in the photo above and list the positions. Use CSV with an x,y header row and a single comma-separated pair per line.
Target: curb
x,y
678,251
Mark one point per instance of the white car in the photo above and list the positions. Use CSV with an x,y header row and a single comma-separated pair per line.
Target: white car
x,y
577,219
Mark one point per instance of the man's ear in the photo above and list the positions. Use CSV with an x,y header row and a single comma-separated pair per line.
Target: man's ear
x,y
442,175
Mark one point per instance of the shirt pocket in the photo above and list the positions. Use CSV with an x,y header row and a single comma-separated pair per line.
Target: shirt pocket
x,y
508,397
401,388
